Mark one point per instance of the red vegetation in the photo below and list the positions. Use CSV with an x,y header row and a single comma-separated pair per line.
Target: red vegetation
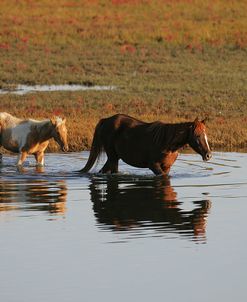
x,y
127,48
5,46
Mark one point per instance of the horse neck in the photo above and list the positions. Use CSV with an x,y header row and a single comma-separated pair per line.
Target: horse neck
x,y
44,129
177,136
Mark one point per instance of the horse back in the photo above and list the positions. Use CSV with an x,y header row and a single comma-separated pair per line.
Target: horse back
x,y
120,122
15,133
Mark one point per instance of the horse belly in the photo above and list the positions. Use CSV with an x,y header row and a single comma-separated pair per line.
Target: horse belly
x,y
13,138
136,163
11,148
39,147
9,143
132,153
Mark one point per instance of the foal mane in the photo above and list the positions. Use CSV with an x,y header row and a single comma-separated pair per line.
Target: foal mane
x,y
169,135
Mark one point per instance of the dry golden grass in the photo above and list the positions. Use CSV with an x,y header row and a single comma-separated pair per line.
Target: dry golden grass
x,y
226,127
171,60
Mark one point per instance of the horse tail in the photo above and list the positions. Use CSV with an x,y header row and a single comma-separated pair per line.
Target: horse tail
x,y
96,148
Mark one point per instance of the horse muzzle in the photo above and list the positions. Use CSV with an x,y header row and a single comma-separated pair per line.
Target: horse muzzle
x,y
65,148
207,156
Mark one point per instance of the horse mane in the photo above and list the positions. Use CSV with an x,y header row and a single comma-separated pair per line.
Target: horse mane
x,y
8,119
158,131
168,135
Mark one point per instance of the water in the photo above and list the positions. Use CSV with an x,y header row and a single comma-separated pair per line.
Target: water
x,y
24,89
127,237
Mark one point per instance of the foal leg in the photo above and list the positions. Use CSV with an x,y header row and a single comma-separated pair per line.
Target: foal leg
x,y
21,158
39,156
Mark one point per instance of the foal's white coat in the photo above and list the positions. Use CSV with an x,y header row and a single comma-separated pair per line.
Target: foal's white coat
x,y
31,136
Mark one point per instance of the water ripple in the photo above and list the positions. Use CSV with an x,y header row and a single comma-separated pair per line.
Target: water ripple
x,y
134,204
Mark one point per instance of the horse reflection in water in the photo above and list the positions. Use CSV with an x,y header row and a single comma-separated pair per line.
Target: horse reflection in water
x,y
147,203
33,195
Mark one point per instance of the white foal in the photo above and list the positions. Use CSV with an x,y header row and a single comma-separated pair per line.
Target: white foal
x,y
31,136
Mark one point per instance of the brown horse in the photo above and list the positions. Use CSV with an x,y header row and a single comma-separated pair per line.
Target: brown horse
x,y
31,136
145,145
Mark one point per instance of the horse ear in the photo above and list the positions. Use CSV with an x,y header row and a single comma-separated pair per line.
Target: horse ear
x,y
64,120
196,121
53,121
205,120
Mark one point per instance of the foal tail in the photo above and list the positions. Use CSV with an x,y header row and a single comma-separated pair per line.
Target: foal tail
x,y
96,148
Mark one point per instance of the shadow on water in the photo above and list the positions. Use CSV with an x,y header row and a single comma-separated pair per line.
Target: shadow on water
x,y
146,205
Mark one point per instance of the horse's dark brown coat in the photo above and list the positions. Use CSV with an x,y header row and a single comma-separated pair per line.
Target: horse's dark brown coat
x,y
144,145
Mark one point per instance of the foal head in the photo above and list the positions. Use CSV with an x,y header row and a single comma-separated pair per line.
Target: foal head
x,y
198,139
59,132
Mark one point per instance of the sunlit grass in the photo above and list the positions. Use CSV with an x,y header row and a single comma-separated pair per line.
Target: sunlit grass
x,y
226,118
171,60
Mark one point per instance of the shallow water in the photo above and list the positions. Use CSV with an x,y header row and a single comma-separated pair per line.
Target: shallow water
x,y
24,89
126,237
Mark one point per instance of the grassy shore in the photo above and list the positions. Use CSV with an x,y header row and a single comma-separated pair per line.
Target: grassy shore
x,y
170,60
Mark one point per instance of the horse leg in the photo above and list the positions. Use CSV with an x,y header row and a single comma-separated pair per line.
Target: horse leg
x,y
168,161
156,168
1,155
21,158
165,169
39,156
111,165
106,168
